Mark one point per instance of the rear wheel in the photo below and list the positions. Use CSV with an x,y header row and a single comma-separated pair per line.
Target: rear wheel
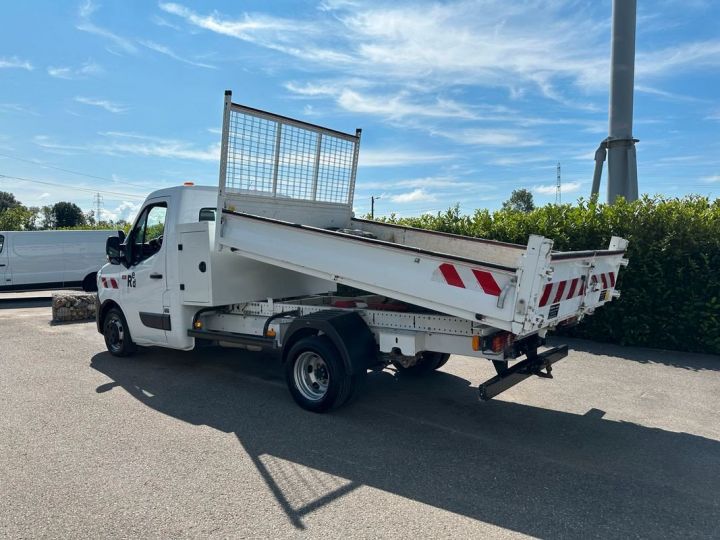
x,y
117,334
426,362
316,375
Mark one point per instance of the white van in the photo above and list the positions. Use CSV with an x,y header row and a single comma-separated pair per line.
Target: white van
x,y
51,259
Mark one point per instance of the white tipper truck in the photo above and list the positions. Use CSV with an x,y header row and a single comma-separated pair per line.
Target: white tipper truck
x,y
256,264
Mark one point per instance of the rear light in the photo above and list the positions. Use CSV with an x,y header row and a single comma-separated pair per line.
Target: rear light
x,y
500,341
476,345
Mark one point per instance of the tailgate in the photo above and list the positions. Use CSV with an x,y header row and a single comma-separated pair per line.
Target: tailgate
x,y
558,286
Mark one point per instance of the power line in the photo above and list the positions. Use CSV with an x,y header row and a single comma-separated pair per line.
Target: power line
x,y
42,164
56,184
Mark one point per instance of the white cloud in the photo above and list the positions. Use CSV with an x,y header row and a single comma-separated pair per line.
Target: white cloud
x,y
682,57
85,12
398,157
436,182
266,31
490,137
453,43
567,187
162,49
131,143
163,22
512,160
416,195
102,103
14,62
448,182
65,72
125,210
524,47
665,94
119,143
16,108
711,179
389,106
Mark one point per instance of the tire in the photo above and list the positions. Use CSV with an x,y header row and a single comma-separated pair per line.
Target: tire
x,y
427,363
443,360
117,334
316,375
89,284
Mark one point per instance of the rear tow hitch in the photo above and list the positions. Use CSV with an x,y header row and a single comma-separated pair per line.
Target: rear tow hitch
x,y
533,365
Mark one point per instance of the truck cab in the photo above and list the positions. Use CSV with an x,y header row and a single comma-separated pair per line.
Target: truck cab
x,y
166,269
141,281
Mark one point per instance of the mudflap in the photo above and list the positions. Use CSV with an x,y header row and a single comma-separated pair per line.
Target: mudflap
x,y
533,365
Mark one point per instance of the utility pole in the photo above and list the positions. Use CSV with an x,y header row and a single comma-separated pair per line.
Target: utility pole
x,y
619,147
372,206
98,200
558,191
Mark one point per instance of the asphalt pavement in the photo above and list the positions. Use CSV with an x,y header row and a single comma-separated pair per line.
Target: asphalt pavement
x,y
622,443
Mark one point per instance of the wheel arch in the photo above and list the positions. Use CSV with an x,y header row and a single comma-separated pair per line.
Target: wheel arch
x,y
102,311
346,330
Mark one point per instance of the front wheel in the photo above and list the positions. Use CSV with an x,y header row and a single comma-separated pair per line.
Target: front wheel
x,y
316,375
117,334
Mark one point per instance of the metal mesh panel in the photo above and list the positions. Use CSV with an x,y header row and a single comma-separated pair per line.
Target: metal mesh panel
x,y
274,156
335,169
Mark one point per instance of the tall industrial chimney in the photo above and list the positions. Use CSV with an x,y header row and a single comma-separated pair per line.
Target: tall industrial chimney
x,y
620,144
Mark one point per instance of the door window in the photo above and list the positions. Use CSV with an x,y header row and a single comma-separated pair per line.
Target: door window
x,y
147,235
2,242
207,214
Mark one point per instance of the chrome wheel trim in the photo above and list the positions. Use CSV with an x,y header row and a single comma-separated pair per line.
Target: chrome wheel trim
x,y
311,375
115,333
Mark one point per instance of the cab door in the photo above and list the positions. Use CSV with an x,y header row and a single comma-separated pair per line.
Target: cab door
x,y
5,276
145,281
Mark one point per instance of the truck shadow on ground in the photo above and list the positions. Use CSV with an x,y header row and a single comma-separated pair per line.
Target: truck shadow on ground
x,y
540,472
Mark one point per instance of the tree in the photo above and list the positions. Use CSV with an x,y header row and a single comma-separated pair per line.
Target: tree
x,y
16,218
90,218
520,200
47,216
8,200
67,214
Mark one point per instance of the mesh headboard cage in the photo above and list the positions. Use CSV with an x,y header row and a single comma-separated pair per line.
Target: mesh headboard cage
x,y
265,154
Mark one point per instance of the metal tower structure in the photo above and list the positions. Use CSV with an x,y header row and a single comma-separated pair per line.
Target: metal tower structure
x,y
98,200
558,190
619,147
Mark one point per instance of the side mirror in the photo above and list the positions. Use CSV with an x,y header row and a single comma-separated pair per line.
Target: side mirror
x,y
121,236
113,249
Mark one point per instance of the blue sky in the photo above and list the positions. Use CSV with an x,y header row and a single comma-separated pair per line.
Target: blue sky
x,y
459,101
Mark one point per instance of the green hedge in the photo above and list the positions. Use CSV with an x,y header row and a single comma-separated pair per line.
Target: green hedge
x,y
671,289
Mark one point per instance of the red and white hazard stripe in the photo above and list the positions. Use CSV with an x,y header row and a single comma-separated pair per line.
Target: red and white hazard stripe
x,y
110,283
570,288
467,278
